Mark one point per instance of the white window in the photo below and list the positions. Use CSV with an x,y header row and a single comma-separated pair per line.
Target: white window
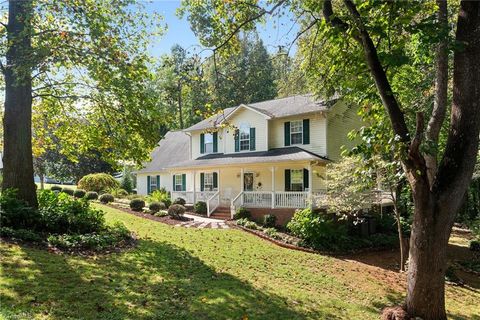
x,y
153,183
208,181
208,142
178,183
296,180
296,132
244,136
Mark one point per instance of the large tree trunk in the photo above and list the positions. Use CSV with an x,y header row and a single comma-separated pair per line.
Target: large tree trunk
x,y
17,122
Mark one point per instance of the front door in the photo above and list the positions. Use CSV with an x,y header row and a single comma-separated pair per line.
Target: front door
x,y
248,181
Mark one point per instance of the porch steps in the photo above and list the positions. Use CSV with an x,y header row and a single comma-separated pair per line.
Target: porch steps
x,y
222,213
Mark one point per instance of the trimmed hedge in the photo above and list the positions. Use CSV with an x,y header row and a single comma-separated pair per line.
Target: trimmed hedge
x,y
241,213
179,201
79,193
176,211
200,207
56,188
156,206
68,191
91,195
98,182
137,204
106,198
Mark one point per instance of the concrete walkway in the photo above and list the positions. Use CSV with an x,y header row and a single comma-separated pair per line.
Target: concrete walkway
x,y
203,222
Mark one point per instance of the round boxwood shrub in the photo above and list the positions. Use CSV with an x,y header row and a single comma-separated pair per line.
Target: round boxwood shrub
x,y
200,207
98,182
176,211
180,201
56,188
68,191
137,204
106,198
269,220
91,195
79,193
241,213
156,206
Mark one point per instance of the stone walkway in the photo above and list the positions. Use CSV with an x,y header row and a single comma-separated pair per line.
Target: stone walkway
x,y
203,222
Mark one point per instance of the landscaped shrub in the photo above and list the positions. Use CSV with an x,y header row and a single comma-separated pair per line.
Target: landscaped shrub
x,y
242,212
91,195
318,230
200,207
135,196
20,234
68,191
251,225
106,198
137,204
79,193
272,232
475,245
242,221
156,206
176,211
56,188
98,182
16,213
161,213
180,201
160,195
269,221
63,214
101,240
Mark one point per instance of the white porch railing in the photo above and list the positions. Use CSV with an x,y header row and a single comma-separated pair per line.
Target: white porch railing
x,y
291,199
188,195
213,202
257,199
235,203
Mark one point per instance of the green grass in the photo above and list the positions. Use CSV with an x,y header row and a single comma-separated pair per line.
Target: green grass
x,y
49,185
180,273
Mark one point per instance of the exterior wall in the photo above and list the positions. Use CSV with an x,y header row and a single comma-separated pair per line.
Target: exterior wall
x,y
255,120
284,215
165,181
318,141
196,143
341,120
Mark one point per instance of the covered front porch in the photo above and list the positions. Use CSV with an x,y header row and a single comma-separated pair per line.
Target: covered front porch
x,y
284,185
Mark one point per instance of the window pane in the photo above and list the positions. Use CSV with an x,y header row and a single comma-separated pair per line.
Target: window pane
x,y
208,147
296,180
244,145
296,126
297,138
208,182
208,138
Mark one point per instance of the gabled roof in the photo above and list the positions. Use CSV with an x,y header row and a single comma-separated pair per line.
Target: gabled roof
x,y
277,108
173,148
270,156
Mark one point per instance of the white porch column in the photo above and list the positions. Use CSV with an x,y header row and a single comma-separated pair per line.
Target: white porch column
x,y
194,187
241,185
310,184
273,187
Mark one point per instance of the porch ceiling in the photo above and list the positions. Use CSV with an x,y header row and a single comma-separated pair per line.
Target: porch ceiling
x,y
271,156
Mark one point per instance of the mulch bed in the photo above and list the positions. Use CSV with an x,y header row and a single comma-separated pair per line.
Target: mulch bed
x,y
167,219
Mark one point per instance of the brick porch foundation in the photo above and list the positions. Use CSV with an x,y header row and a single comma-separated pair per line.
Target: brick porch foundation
x,y
283,214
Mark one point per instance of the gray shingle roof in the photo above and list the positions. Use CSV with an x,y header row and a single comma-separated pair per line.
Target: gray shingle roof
x,y
172,149
270,156
277,108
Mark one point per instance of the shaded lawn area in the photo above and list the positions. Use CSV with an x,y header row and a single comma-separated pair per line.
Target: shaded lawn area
x,y
182,273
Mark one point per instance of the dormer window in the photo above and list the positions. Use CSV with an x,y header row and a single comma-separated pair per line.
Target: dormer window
x,y
208,143
244,133
296,132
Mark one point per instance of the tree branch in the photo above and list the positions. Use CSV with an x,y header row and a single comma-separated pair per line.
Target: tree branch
x,y
381,81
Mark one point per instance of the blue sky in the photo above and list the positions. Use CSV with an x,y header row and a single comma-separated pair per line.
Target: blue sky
x,y
276,31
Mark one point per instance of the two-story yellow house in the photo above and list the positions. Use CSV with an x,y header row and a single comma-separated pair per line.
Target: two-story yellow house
x,y
268,156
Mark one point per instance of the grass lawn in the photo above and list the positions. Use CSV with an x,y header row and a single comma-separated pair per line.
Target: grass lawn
x,y
49,185
181,273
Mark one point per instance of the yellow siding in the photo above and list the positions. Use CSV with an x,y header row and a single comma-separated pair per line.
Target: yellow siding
x,y
341,120
318,142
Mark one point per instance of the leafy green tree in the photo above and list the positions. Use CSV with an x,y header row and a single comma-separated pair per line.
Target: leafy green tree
x,y
81,60
394,55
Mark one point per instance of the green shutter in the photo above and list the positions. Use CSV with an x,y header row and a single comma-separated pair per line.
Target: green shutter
x,y
158,182
215,142
237,140
173,183
305,179
202,181
148,184
287,179
252,139
215,180
287,133
306,131
184,182
202,143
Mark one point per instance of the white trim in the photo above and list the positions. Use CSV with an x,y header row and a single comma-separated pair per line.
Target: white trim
x,y
248,108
